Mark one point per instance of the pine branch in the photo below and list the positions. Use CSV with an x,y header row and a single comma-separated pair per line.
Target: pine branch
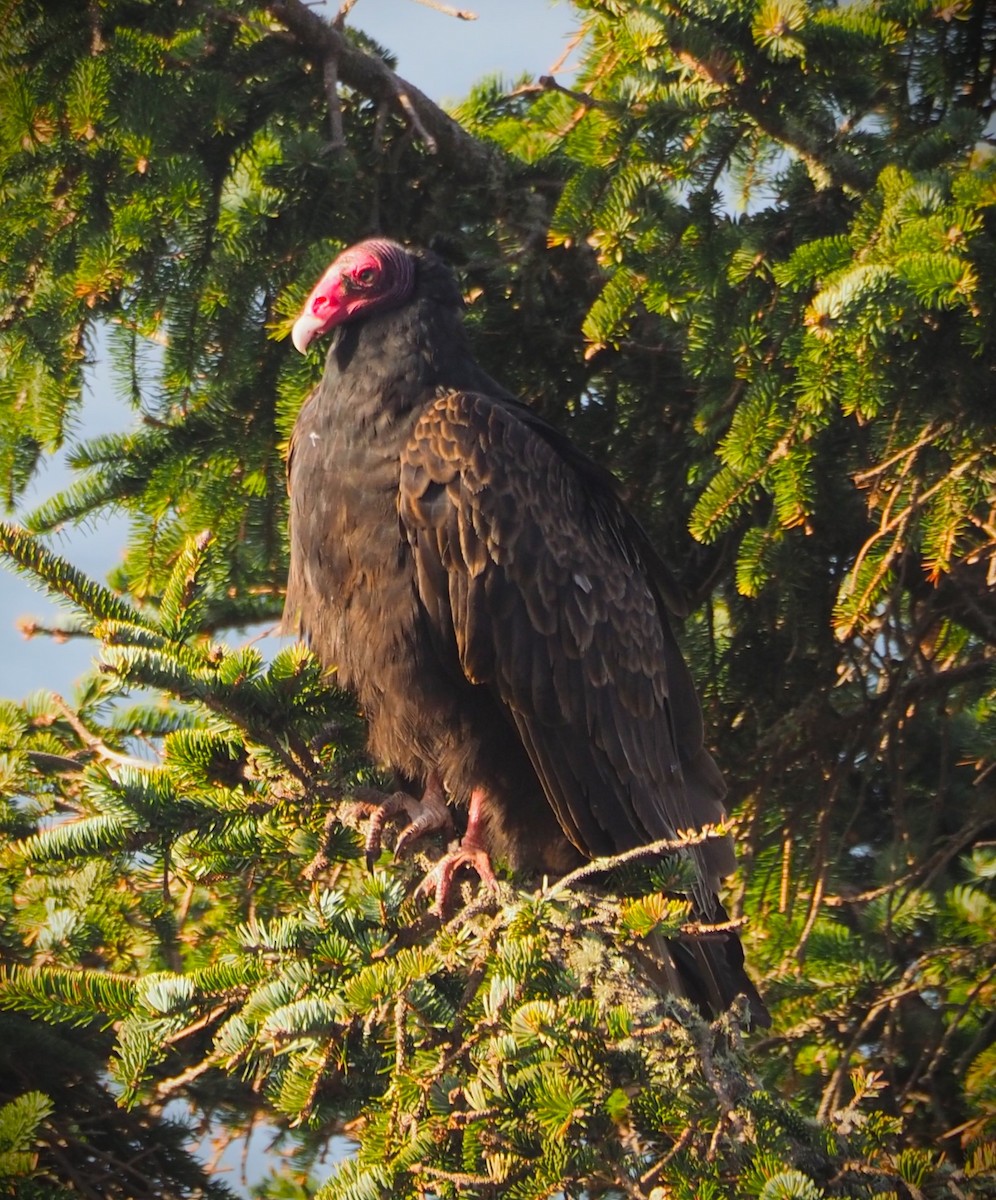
x,y
814,146
61,579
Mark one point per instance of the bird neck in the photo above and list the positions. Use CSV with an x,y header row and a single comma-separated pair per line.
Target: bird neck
x,y
393,363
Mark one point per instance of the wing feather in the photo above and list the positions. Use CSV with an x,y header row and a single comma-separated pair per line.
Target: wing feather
x,y
531,573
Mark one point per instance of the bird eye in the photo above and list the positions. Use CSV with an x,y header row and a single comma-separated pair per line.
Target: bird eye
x,y
366,275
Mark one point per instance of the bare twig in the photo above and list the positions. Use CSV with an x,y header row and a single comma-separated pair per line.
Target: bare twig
x,y
461,14
650,1177
330,78
930,1060
908,985
921,875
344,10
569,49
461,1178
819,886
94,743
401,91
930,434
549,84
898,524
29,628
673,845
701,931
202,1022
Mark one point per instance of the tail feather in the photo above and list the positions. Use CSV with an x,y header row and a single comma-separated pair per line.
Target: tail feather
x,y
710,973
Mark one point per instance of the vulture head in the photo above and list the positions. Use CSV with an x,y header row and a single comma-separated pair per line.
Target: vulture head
x,y
365,279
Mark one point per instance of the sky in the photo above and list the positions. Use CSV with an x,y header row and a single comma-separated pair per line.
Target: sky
x,y
437,53
443,56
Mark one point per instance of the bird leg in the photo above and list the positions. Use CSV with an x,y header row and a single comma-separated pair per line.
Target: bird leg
x,y
426,815
470,851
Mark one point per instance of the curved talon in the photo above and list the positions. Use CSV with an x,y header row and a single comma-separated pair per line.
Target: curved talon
x,y
439,881
390,806
426,815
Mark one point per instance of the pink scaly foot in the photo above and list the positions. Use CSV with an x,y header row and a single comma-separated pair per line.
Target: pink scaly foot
x,y
426,815
470,852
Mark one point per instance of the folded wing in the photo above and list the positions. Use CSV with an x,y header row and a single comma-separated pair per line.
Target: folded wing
x,y
533,582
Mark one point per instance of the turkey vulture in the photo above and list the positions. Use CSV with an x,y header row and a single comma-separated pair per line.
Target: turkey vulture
x,y
499,614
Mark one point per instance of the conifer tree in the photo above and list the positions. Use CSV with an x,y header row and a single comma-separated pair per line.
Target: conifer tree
x,y
747,258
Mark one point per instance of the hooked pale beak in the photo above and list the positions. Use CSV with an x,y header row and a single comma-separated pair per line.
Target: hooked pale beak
x,y
307,327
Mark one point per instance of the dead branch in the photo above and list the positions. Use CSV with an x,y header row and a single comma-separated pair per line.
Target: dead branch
x,y
318,41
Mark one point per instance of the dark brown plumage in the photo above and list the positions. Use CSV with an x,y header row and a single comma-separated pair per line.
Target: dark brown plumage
x,y
478,584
